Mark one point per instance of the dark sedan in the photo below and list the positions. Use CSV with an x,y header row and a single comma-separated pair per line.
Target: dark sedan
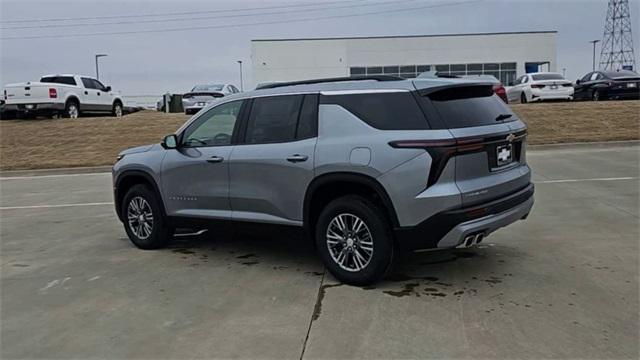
x,y
603,85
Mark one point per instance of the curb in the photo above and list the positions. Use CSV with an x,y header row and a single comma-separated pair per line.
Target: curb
x,y
56,171
599,144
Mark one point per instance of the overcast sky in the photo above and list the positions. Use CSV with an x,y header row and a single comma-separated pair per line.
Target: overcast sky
x,y
153,63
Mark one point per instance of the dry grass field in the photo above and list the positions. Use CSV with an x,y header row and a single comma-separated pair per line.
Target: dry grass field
x,y
39,144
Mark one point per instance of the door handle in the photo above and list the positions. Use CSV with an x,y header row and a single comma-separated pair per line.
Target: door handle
x,y
86,93
297,158
98,93
215,159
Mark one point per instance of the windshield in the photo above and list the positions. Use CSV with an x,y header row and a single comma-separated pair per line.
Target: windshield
x,y
206,88
547,77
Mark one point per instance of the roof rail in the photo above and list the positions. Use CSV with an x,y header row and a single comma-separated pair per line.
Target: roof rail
x,y
328,80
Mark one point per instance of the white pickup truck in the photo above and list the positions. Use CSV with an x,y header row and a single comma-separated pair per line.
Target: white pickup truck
x,y
65,95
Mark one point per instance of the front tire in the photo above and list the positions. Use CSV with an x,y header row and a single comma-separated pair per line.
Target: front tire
x,y
143,220
354,240
523,98
596,96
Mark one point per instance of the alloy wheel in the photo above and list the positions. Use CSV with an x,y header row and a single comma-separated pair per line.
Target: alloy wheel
x,y
118,111
349,242
72,111
140,217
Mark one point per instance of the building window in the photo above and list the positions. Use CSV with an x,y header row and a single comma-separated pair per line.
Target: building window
x,y
403,71
505,72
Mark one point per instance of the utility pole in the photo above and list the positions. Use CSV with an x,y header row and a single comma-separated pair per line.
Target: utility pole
x,y
97,70
594,42
241,86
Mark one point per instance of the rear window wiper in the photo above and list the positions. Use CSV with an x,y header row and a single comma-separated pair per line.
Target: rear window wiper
x,y
502,117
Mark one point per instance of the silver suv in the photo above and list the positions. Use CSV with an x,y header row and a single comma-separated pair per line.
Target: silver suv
x,y
367,167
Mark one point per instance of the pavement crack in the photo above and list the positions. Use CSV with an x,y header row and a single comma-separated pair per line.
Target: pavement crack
x,y
317,309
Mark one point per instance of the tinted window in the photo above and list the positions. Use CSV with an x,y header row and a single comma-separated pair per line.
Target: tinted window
x,y
621,74
384,111
215,127
469,106
98,85
273,119
88,83
206,88
68,80
308,122
547,77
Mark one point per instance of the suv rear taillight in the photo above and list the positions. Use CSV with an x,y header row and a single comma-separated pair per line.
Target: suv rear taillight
x,y
567,85
53,93
537,86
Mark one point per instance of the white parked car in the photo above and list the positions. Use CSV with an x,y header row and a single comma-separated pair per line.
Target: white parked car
x,y
539,87
67,95
201,95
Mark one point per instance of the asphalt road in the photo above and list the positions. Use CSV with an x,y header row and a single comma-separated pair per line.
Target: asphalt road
x,y
562,284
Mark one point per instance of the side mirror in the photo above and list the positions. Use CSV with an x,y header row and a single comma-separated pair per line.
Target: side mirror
x,y
578,82
107,89
170,142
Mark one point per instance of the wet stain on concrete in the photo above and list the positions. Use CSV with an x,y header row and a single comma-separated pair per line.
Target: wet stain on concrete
x,y
246,256
406,290
183,251
317,309
249,263
20,265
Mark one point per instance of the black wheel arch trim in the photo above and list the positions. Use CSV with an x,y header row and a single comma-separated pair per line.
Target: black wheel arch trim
x,y
136,173
357,178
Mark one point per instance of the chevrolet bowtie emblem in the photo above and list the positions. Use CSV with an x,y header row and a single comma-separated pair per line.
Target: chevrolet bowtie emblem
x,y
511,137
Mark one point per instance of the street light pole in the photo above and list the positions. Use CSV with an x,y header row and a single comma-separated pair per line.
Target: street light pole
x,y
97,70
241,86
594,42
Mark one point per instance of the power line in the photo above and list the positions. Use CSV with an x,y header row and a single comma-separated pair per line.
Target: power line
x,y
295,5
386,2
239,25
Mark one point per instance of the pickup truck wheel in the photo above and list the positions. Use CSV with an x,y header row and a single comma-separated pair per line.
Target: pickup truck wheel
x,y
71,110
354,240
117,109
143,220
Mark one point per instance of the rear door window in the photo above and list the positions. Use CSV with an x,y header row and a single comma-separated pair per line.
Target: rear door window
x,y
88,83
384,111
461,107
273,119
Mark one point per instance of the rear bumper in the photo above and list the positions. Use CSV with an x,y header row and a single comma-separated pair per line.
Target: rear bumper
x,y
34,107
448,229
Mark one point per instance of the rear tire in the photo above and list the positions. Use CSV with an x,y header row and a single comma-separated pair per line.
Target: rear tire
x,y
354,240
143,220
523,98
71,110
117,109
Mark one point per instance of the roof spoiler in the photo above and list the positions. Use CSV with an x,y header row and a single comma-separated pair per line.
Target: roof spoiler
x,y
330,80
466,84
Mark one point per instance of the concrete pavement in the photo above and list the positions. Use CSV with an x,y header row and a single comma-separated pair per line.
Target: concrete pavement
x,y
562,284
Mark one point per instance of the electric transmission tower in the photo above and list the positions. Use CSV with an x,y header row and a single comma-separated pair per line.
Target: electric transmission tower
x,y
617,45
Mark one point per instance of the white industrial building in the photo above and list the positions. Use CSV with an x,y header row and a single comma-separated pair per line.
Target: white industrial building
x,y
503,55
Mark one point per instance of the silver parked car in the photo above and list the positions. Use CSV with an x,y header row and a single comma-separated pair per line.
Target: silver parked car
x,y
201,95
367,167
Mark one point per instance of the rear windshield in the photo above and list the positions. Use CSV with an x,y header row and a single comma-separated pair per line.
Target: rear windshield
x,y
384,111
68,80
470,106
207,88
547,77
